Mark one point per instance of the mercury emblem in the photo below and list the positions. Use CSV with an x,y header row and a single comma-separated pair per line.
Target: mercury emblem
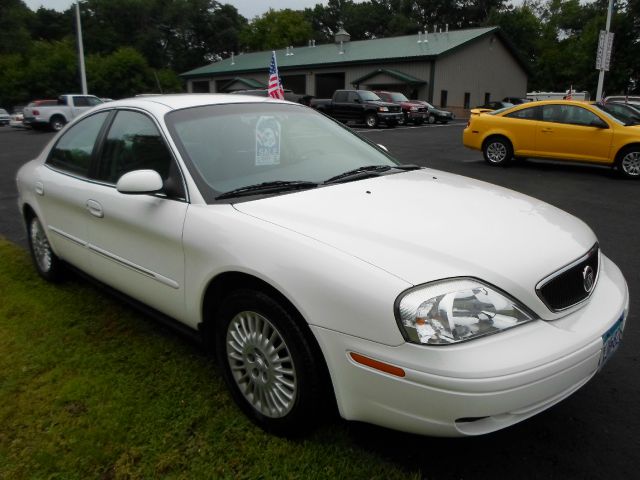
x,y
588,279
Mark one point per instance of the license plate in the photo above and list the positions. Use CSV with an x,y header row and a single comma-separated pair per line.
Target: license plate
x,y
611,341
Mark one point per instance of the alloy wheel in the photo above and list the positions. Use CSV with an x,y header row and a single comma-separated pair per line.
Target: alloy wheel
x,y
631,164
40,245
496,152
261,364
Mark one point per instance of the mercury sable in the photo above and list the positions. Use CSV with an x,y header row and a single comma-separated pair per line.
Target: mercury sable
x,y
323,272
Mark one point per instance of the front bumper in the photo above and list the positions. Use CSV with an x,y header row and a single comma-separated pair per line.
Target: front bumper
x,y
417,115
390,117
479,386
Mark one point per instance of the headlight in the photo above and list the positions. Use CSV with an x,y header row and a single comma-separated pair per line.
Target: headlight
x,y
383,109
456,310
413,109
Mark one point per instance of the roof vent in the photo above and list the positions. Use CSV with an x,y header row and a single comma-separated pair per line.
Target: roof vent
x,y
341,35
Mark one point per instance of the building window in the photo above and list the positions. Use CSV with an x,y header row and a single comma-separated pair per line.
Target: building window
x,y
467,100
200,86
443,98
487,97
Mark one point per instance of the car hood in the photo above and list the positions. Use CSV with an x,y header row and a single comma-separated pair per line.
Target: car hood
x,y
382,103
427,225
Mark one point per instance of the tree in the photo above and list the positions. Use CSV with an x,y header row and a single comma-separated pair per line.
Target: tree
x,y
276,29
125,73
14,34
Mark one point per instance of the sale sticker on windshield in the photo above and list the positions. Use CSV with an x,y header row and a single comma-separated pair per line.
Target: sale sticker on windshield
x,y
267,141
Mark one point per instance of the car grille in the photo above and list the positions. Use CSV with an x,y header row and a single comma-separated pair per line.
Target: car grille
x,y
395,109
569,285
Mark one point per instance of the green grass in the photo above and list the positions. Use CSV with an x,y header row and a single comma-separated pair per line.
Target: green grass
x,y
92,389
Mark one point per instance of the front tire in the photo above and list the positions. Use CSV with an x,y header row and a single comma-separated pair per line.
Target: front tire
x,y
497,151
432,119
371,120
47,263
268,363
628,163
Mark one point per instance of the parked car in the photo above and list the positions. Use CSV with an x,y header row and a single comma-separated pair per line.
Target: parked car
x,y
490,106
625,112
289,95
436,114
560,129
413,112
362,106
631,99
55,117
17,117
5,118
516,100
306,255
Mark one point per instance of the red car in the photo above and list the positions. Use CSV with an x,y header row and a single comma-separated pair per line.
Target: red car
x,y
413,112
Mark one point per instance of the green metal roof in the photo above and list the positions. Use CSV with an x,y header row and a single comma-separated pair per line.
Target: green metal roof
x,y
249,82
404,77
361,51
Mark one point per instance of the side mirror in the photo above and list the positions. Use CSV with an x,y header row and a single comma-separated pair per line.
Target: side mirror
x,y
139,182
383,147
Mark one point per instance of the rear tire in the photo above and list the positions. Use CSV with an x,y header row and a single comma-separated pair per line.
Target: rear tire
x,y
57,123
268,363
47,263
497,151
628,162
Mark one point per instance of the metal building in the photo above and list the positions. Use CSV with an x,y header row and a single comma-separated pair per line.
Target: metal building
x,y
453,69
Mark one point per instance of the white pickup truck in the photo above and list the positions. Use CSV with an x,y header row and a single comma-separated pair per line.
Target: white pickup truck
x,y
57,116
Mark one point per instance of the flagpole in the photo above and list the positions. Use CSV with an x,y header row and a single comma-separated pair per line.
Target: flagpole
x,y
83,74
601,74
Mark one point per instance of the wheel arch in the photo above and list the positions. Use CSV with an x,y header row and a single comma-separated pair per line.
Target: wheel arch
x,y
624,148
227,282
28,212
498,135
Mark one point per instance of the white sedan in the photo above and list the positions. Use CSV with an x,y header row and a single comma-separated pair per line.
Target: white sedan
x,y
322,271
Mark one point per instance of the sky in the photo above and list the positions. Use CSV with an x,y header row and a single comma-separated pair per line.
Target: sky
x,y
246,8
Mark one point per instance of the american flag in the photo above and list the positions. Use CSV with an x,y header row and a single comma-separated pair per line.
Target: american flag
x,y
275,86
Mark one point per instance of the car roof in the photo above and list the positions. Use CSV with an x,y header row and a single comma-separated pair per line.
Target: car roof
x,y
186,100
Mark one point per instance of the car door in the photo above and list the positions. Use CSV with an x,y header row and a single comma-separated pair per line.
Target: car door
x,y
570,132
63,187
136,240
522,125
341,106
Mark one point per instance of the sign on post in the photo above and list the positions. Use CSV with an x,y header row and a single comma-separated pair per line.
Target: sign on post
x,y
605,46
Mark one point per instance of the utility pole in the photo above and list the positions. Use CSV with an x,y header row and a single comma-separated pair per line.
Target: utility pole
x,y
602,69
83,74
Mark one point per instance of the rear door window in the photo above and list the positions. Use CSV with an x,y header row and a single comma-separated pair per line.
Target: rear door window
x,y
75,148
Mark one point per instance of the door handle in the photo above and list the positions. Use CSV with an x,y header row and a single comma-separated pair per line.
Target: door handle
x,y
95,208
547,130
39,188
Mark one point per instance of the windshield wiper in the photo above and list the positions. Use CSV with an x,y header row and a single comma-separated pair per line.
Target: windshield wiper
x,y
268,187
367,171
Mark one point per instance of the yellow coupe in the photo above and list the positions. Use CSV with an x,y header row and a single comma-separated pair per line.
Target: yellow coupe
x,y
558,129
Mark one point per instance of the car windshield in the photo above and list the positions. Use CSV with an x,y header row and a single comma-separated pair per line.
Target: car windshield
x,y
368,96
398,97
232,146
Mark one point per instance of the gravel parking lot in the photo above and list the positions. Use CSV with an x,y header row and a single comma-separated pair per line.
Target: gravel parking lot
x,y
594,433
